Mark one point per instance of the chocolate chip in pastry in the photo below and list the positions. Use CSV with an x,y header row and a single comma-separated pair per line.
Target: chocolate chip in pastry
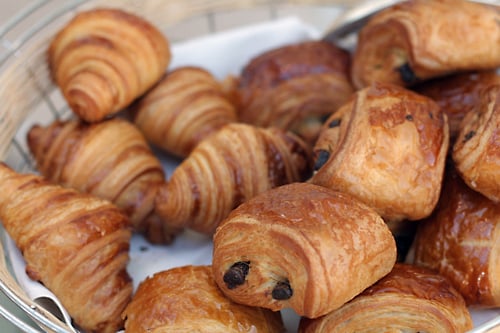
x,y
186,299
417,40
228,168
476,152
187,105
301,246
294,87
461,240
387,147
75,244
408,299
104,58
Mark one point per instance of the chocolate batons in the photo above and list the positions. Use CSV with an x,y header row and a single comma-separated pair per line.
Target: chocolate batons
x,y
294,87
105,58
301,246
110,159
228,168
75,244
408,299
186,299
417,40
387,147
186,105
461,240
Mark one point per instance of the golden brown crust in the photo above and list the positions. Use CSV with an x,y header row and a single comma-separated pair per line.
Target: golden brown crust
x,y
105,58
186,299
408,299
386,147
186,105
476,152
294,87
228,168
419,39
75,244
461,240
111,160
458,94
299,243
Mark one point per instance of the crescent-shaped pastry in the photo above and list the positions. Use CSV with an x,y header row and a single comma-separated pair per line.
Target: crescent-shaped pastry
x,y
110,159
105,58
301,246
476,152
458,94
417,40
228,168
186,105
75,244
294,87
408,299
387,147
186,299
461,240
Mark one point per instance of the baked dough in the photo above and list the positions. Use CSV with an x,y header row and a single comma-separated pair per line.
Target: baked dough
x,y
75,244
110,159
409,299
461,240
386,147
186,299
458,94
417,40
104,58
476,152
301,246
228,168
294,87
187,105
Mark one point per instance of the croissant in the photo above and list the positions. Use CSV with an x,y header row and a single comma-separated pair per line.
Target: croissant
x,y
408,299
187,105
458,94
301,246
111,160
419,39
387,147
186,299
461,240
294,87
75,244
105,58
227,168
476,150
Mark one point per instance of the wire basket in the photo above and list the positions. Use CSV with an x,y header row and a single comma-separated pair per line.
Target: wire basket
x,y
28,94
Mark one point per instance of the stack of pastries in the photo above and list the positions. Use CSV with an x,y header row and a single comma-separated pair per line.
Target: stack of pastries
x,y
305,169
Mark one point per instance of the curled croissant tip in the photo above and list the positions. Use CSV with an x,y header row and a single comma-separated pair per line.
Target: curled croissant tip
x,y
235,276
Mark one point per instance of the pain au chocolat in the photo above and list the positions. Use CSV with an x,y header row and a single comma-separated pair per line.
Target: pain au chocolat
x,y
408,299
186,299
417,40
461,240
476,152
386,147
294,87
301,246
